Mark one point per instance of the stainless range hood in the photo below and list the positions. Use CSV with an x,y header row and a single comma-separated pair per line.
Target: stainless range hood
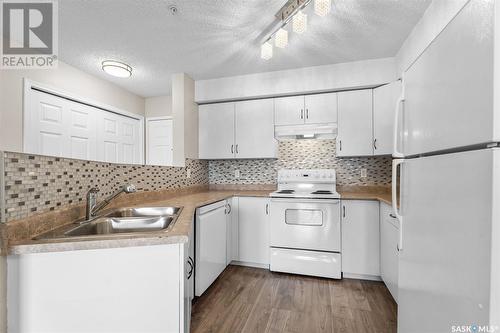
x,y
306,131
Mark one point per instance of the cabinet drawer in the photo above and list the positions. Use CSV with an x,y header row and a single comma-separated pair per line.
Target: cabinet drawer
x,y
314,263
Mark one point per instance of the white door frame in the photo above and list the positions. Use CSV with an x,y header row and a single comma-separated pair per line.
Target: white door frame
x,y
29,85
147,131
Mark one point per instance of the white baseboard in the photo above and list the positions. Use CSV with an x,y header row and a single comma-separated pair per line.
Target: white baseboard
x,y
361,277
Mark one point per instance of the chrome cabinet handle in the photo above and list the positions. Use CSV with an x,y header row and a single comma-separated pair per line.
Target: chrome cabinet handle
x,y
307,113
343,211
237,149
340,143
267,209
301,113
375,144
392,215
232,151
228,211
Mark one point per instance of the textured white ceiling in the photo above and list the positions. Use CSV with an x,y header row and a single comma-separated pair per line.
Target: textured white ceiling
x,y
217,38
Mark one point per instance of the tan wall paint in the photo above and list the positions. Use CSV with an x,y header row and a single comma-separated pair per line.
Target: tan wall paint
x,y
158,106
185,119
66,78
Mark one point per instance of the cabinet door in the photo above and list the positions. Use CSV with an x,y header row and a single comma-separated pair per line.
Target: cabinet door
x,y
389,234
253,220
360,238
210,245
216,131
254,128
321,108
384,103
355,137
289,110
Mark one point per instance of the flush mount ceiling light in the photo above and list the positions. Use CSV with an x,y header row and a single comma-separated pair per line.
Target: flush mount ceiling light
x,y
322,7
266,51
281,38
116,68
299,23
291,11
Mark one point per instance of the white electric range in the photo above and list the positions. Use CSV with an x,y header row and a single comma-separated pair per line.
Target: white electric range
x,y
305,223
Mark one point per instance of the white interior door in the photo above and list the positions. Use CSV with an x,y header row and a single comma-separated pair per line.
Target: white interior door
x,y
59,126
449,90
289,110
321,108
216,131
82,131
108,137
254,128
159,141
47,131
130,141
384,101
355,130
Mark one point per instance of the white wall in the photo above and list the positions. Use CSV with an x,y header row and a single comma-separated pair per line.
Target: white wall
x,y
436,17
66,78
158,106
351,75
185,119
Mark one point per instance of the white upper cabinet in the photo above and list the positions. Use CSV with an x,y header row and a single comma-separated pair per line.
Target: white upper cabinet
x,y
216,131
308,109
321,108
384,104
355,137
254,129
237,130
289,110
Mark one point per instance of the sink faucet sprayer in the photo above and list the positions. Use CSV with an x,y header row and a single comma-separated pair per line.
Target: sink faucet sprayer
x,y
93,207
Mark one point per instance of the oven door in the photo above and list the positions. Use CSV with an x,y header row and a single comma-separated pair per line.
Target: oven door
x,y
308,224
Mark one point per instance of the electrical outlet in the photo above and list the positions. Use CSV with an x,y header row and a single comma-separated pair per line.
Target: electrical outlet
x,y
236,173
188,173
363,173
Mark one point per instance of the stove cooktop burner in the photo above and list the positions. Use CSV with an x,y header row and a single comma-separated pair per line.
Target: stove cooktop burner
x,y
321,192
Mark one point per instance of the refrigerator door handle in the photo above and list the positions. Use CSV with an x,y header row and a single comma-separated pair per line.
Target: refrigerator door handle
x,y
397,111
395,210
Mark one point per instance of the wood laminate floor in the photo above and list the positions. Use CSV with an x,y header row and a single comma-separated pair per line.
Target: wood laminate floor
x,y
245,299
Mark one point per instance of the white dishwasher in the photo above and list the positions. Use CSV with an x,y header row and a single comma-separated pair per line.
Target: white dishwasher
x,y
210,250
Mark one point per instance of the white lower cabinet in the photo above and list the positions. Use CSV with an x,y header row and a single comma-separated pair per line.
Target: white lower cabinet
x,y
389,235
130,289
360,239
253,233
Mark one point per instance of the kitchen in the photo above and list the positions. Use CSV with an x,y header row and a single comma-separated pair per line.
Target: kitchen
x,y
266,166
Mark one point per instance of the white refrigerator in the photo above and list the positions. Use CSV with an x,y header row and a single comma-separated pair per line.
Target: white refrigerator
x,y
449,186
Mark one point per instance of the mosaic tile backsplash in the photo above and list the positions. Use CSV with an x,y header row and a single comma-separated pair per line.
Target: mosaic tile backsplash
x,y
36,184
303,154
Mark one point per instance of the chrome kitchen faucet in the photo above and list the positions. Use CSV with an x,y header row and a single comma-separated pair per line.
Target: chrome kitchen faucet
x,y
93,207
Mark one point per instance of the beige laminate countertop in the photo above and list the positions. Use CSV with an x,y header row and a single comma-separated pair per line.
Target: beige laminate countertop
x,y
177,233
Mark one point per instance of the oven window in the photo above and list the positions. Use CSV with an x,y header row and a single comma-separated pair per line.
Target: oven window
x,y
312,217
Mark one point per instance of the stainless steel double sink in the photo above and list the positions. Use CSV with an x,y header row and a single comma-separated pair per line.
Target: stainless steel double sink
x,y
122,221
